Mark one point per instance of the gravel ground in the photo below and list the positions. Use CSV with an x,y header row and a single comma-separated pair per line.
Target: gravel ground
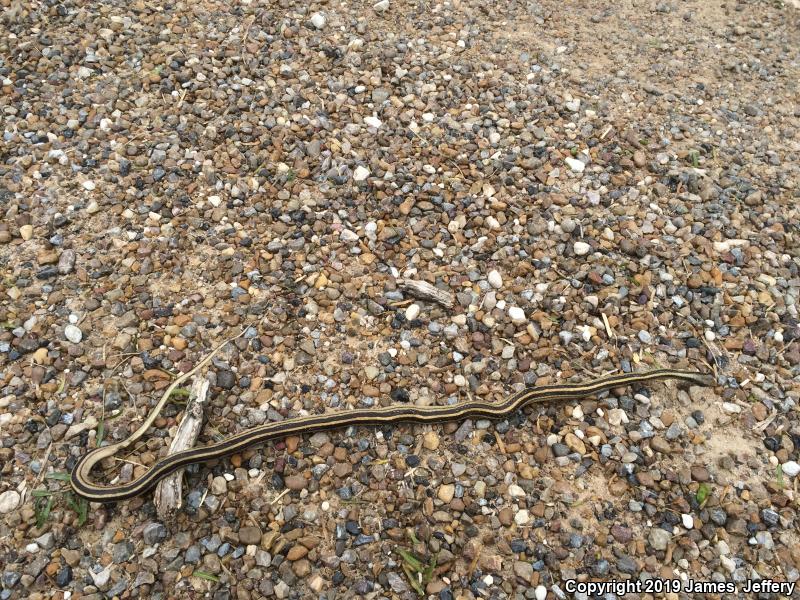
x,y
601,187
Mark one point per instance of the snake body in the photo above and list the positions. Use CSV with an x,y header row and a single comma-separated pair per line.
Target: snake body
x,y
84,486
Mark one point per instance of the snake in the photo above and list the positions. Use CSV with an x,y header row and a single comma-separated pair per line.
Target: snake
x,y
85,487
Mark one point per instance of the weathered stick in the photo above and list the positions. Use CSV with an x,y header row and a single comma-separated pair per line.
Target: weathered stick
x,y
426,291
169,491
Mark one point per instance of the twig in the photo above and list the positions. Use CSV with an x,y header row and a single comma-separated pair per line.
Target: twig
x,y
423,289
168,494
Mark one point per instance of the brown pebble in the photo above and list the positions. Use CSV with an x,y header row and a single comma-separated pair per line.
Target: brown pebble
x,y
296,552
295,482
506,516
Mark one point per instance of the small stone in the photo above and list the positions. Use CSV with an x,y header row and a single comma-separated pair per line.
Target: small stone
x,y
576,165
446,492
659,444
495,279
639,158
226,379
73,333
581,248
517,315
26,232
522,517
430,440
381,6
66,262
731,408
659,538
219,485
318,20
295,482
540,593
296,552
687,520
360,174
154,533
790,468
348,236
515,491
412,312
9,500
523,570
250,535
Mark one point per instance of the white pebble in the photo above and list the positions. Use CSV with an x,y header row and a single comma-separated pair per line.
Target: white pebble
x,y
581,248
88,185
515,491
688,521
778,337
522,517
373,122
9,500
710,335
318,20
726,562
381,6
412,312
617,416
348,236
492,223
790,468
92,207
517,315
495,280
360,174
490,300
575,164
215,201
540,592
731,408
73,334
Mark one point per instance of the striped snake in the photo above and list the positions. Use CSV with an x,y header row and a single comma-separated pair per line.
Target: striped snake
x,y
84,486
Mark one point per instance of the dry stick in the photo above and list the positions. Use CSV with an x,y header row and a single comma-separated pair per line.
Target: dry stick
x,y
423,289
168,494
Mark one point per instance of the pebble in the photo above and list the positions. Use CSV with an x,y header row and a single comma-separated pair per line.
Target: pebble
x,y
360,173
495,280
446,492
791,468
581,248
517,315
576,165
659,538
318,20
430,440
412,312
9,500
73,333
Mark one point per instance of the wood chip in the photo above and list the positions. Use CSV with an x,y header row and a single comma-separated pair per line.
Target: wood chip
x,y
169,491
426,291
